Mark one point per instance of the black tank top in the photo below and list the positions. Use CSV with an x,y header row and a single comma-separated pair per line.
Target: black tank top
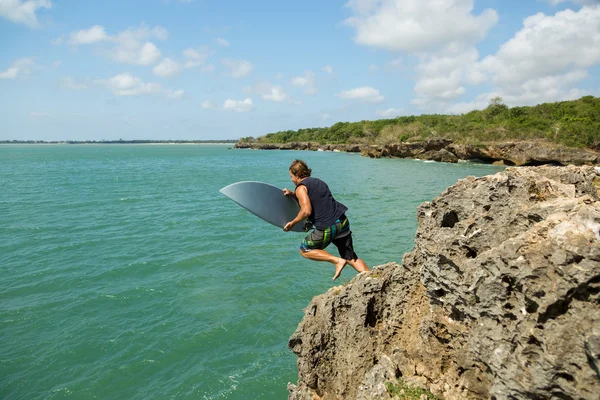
x,y
325,209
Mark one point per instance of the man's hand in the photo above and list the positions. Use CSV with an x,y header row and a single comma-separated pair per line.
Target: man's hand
x,y
288,226
287,192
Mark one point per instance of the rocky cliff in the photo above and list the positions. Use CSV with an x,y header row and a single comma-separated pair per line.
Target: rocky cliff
x,y
522,153
499,299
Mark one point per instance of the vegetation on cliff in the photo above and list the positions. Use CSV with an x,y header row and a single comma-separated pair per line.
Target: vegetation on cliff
x,y
573,123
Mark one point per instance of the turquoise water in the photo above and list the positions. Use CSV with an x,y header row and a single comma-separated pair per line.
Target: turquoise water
x,y
125,274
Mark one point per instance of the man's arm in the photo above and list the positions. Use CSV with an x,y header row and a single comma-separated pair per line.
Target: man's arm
x,y
288,192
305,207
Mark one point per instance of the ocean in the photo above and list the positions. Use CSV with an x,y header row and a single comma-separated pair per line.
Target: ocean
x,y
125,274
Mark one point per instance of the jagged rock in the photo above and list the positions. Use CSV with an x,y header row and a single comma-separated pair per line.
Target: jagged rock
x,y
405,150
500,298
436,144
417,149
444,150
442,155
350,148
538,153
372,151
464,151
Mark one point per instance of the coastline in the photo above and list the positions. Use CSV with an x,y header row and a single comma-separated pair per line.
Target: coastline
x,y
515,153
117,143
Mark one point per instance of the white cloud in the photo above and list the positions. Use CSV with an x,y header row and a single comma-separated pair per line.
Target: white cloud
x,y
19,68
328,69
128,85
307,81
88,36
131,46
300,80
365,93
222,42
325,117
160,33
238,68
208,105
276,94
531,92
174,94
417,25
390,112
70,83
196,57
372,68
238,105
543,62
442,34
133,52
580,2
548,45
279,76
207,68
23,12
443,76
166,68
267,91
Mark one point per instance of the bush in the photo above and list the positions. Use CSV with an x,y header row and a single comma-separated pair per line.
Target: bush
x,y
570,123
407,392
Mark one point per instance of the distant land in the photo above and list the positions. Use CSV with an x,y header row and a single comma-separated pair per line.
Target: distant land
x,y
571,123
115,141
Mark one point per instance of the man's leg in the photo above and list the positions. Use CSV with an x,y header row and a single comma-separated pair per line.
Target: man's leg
x,y
359,265
322,255
346,250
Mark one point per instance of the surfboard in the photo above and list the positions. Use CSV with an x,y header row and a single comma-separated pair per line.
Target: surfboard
x,y
265,201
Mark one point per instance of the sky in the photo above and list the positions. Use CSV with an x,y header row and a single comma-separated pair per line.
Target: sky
x,y
216,70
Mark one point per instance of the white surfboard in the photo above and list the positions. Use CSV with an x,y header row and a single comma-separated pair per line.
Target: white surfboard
x,y
265,201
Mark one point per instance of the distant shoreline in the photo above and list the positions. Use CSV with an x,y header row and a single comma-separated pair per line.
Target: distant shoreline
x,y
120,142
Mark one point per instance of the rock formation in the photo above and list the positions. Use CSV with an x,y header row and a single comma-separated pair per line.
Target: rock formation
x,y
522,153
499,299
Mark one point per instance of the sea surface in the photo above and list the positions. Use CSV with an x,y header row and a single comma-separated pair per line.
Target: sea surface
x,y
125,274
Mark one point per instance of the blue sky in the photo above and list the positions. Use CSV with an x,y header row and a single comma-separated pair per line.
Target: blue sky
x,y
208,69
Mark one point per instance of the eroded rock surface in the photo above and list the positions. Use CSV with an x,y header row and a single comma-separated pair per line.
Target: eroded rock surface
x,y
500,298
520,153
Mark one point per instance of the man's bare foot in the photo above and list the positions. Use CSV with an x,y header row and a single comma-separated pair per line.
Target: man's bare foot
x,y
339,266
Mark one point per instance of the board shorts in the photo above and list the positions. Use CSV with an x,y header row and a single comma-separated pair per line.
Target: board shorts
x,y
339,234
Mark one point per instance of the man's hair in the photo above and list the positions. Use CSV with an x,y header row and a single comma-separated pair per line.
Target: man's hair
x,y
300,169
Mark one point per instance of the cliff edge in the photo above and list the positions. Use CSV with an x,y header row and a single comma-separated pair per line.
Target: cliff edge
x,y
500,299
520,153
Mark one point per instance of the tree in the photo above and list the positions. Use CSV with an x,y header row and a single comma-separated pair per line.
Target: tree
x,y
496,101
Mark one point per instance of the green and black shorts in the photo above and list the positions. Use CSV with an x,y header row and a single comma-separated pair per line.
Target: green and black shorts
x,y
339,234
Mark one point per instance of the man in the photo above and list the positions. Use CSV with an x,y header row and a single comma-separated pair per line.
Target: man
x,y
328,218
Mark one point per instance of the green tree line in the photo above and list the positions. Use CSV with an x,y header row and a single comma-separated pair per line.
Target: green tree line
x,y
574,123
